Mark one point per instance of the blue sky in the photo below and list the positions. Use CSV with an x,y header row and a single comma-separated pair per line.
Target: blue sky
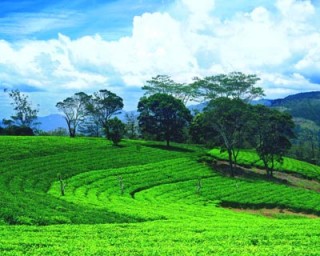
x,y
52,49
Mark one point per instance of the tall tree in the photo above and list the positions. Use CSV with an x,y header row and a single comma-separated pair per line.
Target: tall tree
x,y
75,111
273,130
230,119
25,115
163,116
234,85
103,105
164,84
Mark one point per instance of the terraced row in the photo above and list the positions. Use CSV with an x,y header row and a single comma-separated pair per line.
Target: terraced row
x,y
24,182
215,236
176,181
164,208
289,165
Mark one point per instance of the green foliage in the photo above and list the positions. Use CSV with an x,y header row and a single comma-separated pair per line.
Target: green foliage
x,y
303,105
60,131
198,131
25,115
230,119
115,130
288,165
306,145
17,130
75,110
165,85
103,105
273,131
132,131
235,85
163,116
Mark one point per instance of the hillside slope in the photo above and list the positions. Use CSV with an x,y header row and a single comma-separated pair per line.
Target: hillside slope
x,y
302,105
141,199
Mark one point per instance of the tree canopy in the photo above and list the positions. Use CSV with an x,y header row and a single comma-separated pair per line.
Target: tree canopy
x,y
163,116
25,115
75,110
103,105
165,85
230,119
234,85
115,130
273,130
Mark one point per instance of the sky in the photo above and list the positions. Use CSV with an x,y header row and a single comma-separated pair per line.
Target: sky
x,y
50,50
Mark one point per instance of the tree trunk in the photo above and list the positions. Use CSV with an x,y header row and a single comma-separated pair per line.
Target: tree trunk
x,y
70,129
272,168
231,163
72,132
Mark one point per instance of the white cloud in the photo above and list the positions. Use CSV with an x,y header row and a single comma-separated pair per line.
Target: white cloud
x,y
295,10
310,63
199,14
191,43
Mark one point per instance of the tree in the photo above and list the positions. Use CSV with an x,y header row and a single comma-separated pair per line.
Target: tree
x,y
306,145
115,130
273,130
163,116
91,125
103,105
229,118
18,130
25,114
75,111
131,125
164,84
234,85
201,132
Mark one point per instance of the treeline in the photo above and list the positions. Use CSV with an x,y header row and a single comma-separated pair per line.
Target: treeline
x,y
228,121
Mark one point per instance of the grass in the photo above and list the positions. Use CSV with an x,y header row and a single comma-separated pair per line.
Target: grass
x,y
162,210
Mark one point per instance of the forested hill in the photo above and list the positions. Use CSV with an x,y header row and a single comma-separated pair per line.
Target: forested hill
x,y
301,105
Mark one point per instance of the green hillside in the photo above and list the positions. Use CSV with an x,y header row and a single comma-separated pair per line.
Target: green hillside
x,y
301,105
142,199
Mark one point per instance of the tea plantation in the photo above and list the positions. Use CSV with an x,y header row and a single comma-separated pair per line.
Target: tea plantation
x,y
143,199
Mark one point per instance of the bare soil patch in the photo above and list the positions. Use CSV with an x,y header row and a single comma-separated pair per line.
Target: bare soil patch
x,y
278,176
275,213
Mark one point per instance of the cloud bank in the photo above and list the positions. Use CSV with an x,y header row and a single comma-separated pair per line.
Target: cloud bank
x,y
281,45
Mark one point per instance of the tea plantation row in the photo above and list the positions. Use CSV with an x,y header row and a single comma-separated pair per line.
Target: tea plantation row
x,y
142,199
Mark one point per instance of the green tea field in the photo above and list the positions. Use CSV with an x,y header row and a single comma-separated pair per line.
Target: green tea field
x,y
141,198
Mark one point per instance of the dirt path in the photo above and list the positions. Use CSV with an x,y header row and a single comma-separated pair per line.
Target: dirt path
x,y
278,176
275,212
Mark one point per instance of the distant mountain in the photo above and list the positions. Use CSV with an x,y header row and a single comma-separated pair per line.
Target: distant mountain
x,y
264,102
51,122
302,105
297,97
54,121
